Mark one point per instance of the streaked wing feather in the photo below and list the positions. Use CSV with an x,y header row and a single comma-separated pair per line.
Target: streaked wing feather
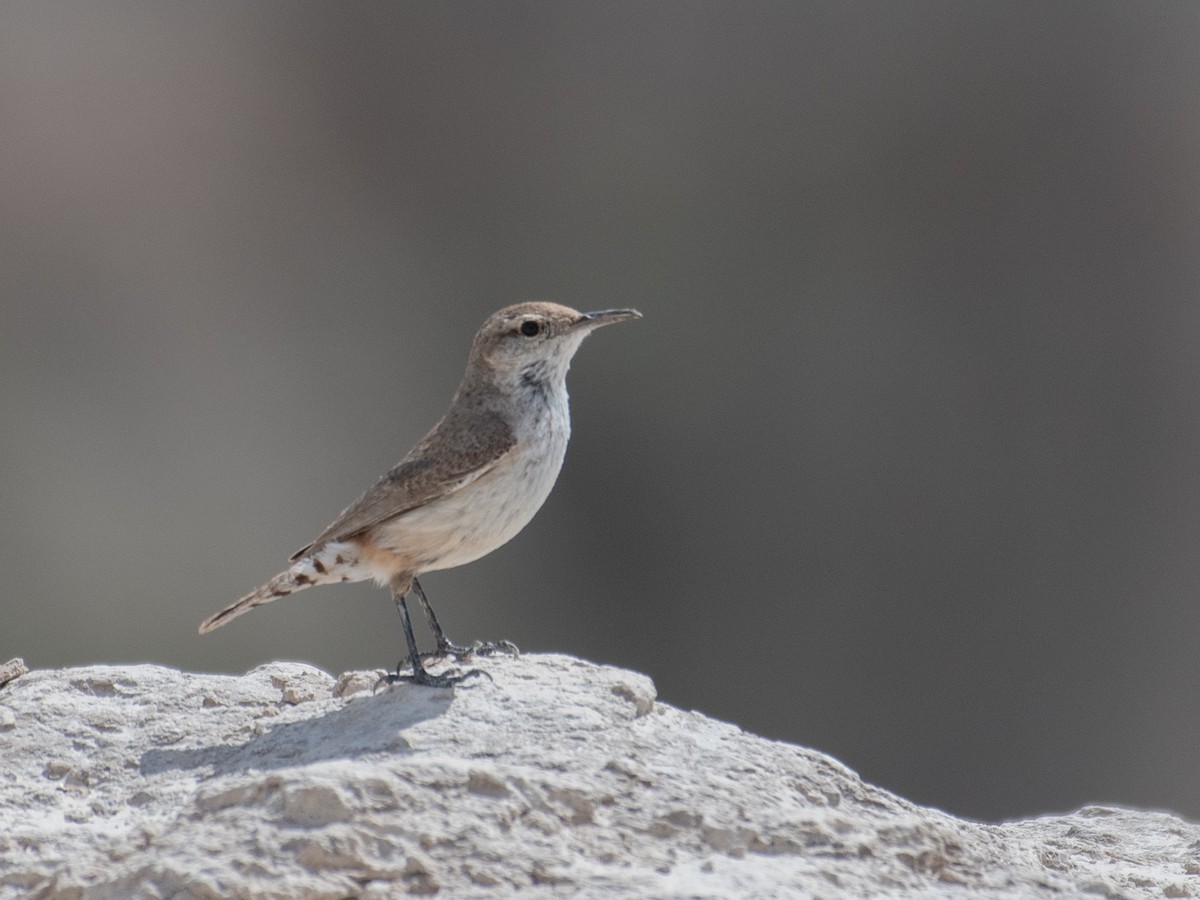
x,y
449,458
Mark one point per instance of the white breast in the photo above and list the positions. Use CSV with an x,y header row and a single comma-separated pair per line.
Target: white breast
x,y
491,510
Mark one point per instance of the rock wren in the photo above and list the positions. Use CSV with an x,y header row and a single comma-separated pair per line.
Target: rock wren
x,y
468,487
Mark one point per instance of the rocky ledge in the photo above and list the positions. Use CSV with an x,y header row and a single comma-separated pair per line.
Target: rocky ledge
x,y
554,774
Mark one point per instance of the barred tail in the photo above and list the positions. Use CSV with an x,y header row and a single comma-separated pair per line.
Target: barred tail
x,y
329,564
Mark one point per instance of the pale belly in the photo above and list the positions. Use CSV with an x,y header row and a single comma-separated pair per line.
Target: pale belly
x,y
478,518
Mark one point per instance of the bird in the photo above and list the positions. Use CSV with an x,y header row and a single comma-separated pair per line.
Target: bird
x,y
468,487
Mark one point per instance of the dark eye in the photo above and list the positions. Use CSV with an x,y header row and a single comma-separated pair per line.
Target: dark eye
x,y
530,328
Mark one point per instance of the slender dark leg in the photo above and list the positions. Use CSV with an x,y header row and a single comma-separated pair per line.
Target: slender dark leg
x,y
413,656
419,675
445,647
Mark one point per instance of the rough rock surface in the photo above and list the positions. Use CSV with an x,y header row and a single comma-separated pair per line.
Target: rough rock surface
x,y
559,775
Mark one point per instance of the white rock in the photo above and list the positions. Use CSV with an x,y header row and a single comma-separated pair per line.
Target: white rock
x,y
134,781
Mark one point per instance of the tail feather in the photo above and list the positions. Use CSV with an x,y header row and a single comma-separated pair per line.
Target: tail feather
x,y
306,572
280,586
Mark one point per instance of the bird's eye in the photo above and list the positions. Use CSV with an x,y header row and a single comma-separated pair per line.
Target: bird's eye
x,y
530,328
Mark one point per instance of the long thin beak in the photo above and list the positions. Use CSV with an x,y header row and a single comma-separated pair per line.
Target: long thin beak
x,y
598,319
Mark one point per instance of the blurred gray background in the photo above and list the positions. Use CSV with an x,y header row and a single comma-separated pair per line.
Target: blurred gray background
x,y
902,463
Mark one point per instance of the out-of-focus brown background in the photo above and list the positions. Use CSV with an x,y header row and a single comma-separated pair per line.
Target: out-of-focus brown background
x,y
903,462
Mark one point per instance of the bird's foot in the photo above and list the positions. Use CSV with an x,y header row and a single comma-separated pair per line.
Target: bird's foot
x,y
446,647
421,676
424,679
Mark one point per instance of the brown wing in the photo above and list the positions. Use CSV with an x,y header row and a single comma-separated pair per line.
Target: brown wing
x,y
450,457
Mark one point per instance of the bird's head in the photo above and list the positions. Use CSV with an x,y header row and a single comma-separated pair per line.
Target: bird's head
x,y
535,341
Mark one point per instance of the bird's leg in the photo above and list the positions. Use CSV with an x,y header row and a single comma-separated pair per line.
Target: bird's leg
x,y
419,675
445,647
